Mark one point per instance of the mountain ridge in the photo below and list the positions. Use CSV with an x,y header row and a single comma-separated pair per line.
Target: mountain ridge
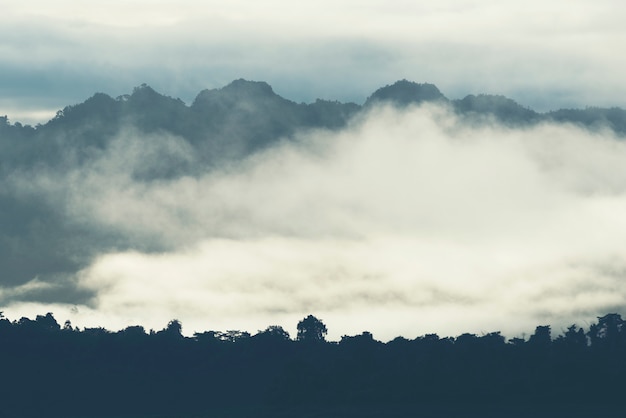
x,y
244,117
400,93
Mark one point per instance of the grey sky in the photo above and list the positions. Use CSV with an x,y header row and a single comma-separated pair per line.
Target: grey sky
x,y
543,54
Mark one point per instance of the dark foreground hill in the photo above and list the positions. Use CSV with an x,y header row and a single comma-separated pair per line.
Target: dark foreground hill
x,y
54,371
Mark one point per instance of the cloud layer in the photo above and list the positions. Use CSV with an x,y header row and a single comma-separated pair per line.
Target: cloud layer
x,y
406,222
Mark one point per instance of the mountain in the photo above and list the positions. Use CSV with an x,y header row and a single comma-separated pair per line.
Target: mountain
x,y
144,137
498,107
404,93
230,122
150,135
488,108
246,116
593,117
239,119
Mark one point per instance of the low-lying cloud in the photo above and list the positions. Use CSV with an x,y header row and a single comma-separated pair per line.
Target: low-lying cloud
x,y
406,222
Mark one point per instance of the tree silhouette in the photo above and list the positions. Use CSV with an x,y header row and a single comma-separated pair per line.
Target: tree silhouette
x,y
173,331
610,331
574,337
274,333
541,337
311,329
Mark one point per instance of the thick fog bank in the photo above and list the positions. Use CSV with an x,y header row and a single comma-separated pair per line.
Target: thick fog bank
x,y
405,222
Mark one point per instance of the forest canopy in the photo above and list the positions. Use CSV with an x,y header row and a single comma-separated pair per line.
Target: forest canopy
x,y
132,372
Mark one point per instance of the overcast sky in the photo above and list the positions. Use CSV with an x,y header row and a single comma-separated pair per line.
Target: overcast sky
x,y
544,54
403,223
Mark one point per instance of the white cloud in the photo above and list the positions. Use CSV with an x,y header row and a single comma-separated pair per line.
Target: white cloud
x,y
405,223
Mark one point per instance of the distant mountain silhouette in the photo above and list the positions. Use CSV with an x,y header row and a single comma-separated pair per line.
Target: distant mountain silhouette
x,y
487,108
244,117
231,122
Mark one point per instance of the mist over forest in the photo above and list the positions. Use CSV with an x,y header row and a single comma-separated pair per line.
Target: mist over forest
x,y
406,214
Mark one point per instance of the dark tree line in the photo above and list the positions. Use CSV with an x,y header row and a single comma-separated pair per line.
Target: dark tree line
x,y
49,370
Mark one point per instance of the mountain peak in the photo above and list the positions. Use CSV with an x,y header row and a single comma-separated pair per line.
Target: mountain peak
x,y
404,92
143,90
249,87
236,91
